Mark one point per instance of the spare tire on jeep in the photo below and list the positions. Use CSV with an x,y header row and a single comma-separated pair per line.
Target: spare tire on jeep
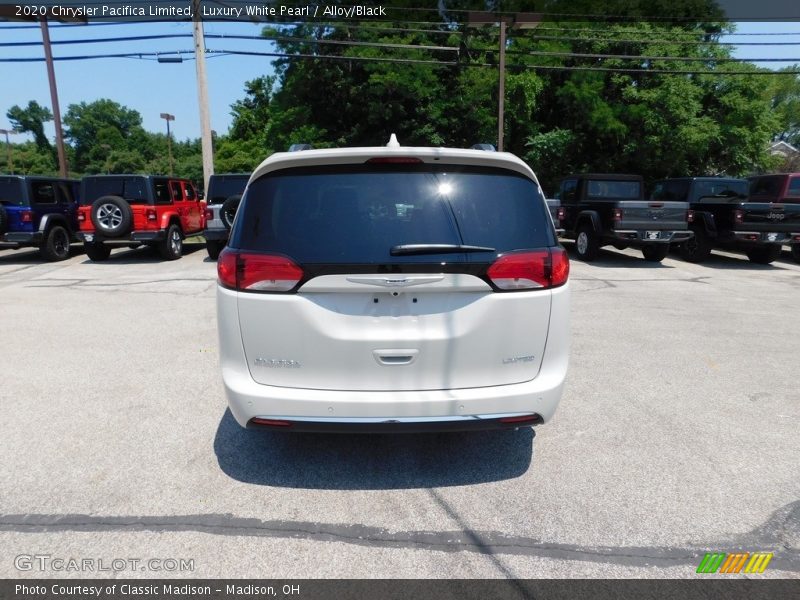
x,y
112,216
3,219
228,210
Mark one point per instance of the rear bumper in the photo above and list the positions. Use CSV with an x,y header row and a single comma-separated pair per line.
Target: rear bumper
x,y
651,236
142,237
21,238
417,425
765,237
446,409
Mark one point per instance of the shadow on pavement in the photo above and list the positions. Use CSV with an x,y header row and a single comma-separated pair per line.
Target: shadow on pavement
x,y
370,462
142,255
609,257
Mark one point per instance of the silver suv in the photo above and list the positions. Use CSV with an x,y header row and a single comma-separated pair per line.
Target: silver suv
x,y
393,288
223,196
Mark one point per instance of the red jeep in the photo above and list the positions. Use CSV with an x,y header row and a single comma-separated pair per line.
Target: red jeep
x,y
131,210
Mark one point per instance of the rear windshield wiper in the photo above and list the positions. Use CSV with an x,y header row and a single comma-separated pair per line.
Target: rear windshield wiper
x,y
408,249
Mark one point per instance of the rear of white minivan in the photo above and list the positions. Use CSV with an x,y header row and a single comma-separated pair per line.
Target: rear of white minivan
x,y
393,293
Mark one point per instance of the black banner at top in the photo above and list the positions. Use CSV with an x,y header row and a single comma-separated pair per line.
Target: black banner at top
x,y
679,11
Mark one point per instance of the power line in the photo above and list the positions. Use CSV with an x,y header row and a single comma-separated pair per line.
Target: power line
x,y
655,41
641,57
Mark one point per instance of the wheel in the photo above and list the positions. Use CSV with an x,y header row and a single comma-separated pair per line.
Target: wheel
x,y
697,248
3,219
763,255
97,252
655,252
172,247
796,252
112,216
587,244
228,210
214,247
620,245
56,244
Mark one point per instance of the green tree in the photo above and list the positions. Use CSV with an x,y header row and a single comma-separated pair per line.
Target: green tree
x,y
31,120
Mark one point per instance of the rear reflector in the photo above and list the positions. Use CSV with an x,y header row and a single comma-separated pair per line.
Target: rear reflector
x,y
527,270
534,418
270,422
394,160
246,272
26,216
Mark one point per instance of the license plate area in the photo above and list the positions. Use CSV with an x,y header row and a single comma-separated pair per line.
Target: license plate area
x,y
652,235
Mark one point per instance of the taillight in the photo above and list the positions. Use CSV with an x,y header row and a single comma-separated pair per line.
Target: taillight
x,y
561,213
26,216
257,272
151,214
536,269
617,214
690,216
209,214
81,216
738,216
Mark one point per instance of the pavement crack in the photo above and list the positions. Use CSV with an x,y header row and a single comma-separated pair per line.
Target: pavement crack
x,y
774,535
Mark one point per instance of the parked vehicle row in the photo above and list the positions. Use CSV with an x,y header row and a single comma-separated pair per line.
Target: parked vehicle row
x,y
693,214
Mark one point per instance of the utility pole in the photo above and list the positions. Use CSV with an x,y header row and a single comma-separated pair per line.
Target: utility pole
x,y
51,75
168,117
202,94
517,21
8,132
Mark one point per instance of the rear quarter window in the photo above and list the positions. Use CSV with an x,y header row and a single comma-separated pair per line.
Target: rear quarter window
x,y
356,214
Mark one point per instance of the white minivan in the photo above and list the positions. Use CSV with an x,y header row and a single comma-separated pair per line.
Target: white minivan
x,y
393,289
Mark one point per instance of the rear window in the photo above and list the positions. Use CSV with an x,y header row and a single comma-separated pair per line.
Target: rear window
x,y
132,189
794,187
356,214
223,186
606,188
11,191
722,188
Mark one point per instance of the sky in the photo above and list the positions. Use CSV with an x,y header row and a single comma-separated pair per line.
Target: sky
x,y
151,87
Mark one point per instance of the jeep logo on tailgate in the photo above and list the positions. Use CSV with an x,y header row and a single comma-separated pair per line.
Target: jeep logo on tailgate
x,y
776,216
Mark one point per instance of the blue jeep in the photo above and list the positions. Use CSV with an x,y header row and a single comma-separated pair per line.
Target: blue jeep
x,y
39,212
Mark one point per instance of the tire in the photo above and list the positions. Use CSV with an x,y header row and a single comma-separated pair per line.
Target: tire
x,y
112,216
697,248
620,245
796,252
172,246
214,247
3,219
764,255
587,243
655,252
97,252
228,211
55,246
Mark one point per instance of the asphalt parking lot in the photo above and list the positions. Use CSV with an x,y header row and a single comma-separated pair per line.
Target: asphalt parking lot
x,y
677,435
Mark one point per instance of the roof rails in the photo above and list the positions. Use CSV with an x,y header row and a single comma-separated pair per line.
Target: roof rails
x,y
299,147
484,147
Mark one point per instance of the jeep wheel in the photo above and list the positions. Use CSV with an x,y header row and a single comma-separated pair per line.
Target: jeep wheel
x,y
56,244
112,216
587,244
763,255
172,247
3,219
228,210
620,245
796,252
214,247
655,252
697,248
97,252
